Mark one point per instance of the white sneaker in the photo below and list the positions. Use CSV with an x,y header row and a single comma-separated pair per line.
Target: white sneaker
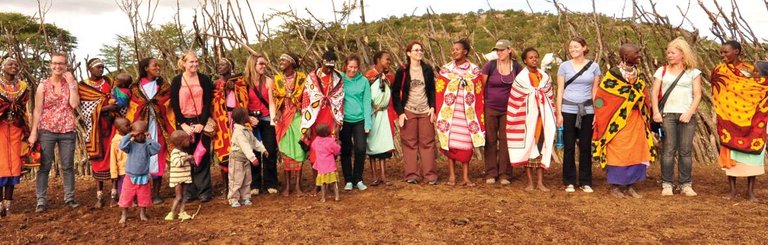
x,y
505,182
587,189
348,186
570,189
272,191
688,191
490,181
667,191
255,192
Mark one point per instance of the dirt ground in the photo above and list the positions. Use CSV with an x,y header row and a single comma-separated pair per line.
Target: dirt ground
x,y
403,213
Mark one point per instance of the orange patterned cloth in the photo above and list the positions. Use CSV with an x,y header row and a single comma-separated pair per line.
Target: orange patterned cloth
x,y
222,139
740,102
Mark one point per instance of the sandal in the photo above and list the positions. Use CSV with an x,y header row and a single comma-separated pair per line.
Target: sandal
x,y
451,182
375,183
169,216
469,184
184,216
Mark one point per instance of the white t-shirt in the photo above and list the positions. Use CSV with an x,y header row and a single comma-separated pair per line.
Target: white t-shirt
x,y
682,95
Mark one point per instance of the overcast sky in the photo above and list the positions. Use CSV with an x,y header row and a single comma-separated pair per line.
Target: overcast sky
x,y
96,22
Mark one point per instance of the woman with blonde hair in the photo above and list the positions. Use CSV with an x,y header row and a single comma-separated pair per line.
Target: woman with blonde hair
x,y
189,92
675,109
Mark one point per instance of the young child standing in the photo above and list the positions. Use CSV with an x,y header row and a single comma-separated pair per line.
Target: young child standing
x,y
241,156
117,157
139,147
325,150
181,174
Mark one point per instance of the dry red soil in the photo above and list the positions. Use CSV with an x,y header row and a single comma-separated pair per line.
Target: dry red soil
x,y
403,213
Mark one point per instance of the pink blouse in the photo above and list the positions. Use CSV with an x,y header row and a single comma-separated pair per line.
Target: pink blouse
x,y
58,116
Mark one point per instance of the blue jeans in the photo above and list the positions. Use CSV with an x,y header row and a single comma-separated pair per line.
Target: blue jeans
x,y
67,144
678,142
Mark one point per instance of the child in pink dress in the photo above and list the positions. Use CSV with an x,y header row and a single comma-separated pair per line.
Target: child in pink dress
x,y
325,150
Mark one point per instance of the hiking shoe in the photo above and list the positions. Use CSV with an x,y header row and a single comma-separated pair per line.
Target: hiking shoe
x,y
490,181
40,208
255,192
587,189
246,202
234,204
361,186
505,182
667,191
348,186
72,204
688,191
570,189
272,191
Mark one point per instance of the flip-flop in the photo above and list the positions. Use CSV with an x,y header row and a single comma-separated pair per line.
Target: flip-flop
x,y
469,184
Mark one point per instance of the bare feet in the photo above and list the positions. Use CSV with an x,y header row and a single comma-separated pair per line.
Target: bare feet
x,y
286,192
322,199
529,188
753,198
468,183
616,192
451,181
631,191
543,188
122,219
299,193
731,196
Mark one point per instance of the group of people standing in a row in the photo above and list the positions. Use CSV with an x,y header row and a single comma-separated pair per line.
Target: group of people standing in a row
x,y
136,128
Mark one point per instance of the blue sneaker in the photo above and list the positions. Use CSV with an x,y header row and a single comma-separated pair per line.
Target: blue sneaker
x,y
361,186
348,186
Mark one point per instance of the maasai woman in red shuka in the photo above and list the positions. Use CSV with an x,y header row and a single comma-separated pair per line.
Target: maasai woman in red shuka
x,y
459,100
95,108
739,97
14,130
151,102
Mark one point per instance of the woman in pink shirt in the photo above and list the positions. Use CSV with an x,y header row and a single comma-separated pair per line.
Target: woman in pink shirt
x,y
191,94
53,122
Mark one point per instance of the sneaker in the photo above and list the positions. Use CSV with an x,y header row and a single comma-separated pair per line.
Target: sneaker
x,y
348,186
570,189
587,189
490,181
272,191
246,202
434,182
505,182
412,181
40,208
688,191
234,204
255,192
72,204
361,186
667,191
169,216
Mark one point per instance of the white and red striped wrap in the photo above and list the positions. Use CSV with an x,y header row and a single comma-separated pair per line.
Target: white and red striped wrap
x,y
525,106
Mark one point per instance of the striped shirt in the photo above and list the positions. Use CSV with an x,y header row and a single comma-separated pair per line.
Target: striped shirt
x,y
181,169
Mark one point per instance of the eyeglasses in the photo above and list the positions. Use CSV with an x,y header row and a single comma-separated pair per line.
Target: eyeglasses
x,y
58,63
417,50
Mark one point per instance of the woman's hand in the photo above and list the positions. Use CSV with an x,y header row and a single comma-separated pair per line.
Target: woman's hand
x,y
432,115
401,120
188,129
32,138
686,117
197,128
70,79
254,121
657,118
559,119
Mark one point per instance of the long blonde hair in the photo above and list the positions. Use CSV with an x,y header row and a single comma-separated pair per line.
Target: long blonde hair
x,y
183,59
690,60
250,69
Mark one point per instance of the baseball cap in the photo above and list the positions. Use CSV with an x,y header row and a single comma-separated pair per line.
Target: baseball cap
x,y
502,44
